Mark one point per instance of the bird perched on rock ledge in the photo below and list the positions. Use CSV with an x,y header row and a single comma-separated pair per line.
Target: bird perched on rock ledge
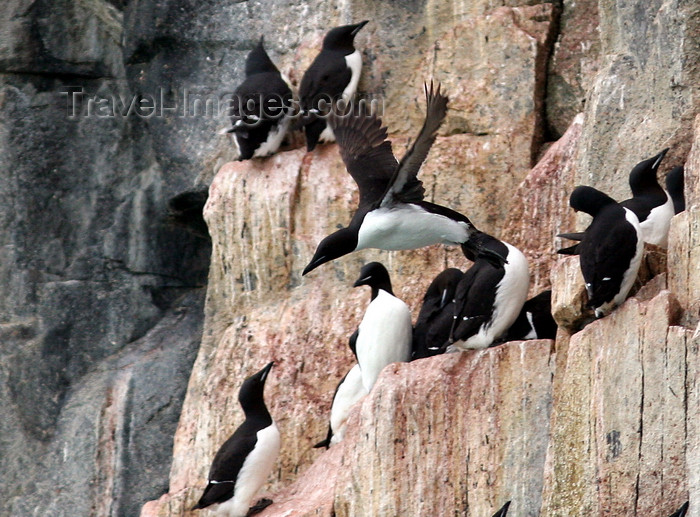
x,y
488,299
333,75
244,461
384,334
610,251
261,107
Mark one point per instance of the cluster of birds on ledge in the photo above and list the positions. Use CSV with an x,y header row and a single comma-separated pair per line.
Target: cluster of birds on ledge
x,y
474,309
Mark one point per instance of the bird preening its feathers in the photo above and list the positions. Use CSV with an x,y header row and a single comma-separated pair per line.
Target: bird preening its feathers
x,y
653,206
610,250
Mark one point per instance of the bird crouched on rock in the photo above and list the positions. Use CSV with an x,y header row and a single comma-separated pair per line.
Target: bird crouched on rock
x,y
610,251
488,299
261,107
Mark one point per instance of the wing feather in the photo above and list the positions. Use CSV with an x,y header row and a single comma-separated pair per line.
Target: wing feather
x,y
365,151
405,184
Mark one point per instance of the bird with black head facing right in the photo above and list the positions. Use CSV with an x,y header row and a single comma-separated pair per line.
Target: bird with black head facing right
x,y
503,511
653,206
392,212
244,461
333,75
682,510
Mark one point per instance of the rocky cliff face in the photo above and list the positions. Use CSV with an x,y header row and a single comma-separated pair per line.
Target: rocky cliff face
x,y
98,339
596,423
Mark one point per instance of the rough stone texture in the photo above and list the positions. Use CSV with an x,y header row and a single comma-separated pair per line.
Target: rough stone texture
x,y
90,271
574,64
650,47
478,422
95,351
541,208
114,431
618,422
569,294
684,273
679,336
692,169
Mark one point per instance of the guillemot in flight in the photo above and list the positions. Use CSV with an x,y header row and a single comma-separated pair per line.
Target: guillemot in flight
x,y
392,213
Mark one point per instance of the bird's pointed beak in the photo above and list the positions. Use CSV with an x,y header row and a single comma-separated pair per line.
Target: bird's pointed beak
x,y
361,281
659,157
313,265
358,27
265,371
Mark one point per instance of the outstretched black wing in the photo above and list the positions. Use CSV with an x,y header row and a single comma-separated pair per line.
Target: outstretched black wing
x,y
365,151
405,184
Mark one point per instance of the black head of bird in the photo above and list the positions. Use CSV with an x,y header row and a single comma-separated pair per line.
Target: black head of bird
x,y
337,244
250,396
675,187
643,175
376,276
343,38
589,200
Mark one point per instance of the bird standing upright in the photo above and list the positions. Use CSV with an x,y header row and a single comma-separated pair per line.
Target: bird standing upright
x,y
350,391
244,461
333,75
653,206
392,214
675,182
384,335
261,107
650,202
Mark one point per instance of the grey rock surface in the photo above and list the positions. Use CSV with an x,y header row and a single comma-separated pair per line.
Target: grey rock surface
x,y
102,288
